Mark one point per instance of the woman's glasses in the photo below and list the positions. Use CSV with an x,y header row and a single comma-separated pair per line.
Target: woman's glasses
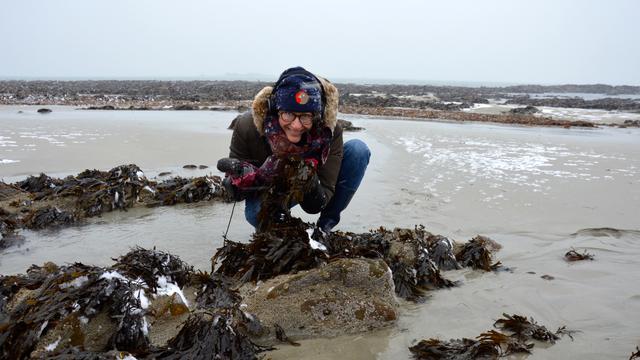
x,y
306,119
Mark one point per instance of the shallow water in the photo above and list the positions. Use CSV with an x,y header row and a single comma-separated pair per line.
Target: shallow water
x,y
537,191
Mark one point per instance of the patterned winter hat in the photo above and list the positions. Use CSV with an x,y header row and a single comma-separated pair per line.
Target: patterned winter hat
x,y
297,90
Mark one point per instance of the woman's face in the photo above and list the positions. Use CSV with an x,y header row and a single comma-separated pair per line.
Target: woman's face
x,y
295,124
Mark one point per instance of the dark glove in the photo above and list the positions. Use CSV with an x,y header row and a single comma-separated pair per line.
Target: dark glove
x,y
235,167
233,193
315,198
236,170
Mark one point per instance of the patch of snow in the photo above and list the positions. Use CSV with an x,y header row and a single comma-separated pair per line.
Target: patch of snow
x,y
144,301
53,345
168,288
42,327
75,283
110,275
314,244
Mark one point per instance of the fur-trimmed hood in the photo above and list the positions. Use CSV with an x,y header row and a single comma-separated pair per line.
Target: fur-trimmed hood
x,y
330,117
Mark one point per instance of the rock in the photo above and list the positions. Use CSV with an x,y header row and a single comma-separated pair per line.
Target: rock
x,y
201,167
105,107
190,167
348,125
44,111
528,110
185,107
345,296
165,173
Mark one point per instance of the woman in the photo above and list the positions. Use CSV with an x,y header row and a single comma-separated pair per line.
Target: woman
x,y
295,120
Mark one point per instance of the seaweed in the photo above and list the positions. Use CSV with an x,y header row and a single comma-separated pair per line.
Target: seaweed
x,y
47,217
215,291
38,184
636,354
282,250
573,255
491,344
151,264
441,252
459,349
524,329
209,336
476,254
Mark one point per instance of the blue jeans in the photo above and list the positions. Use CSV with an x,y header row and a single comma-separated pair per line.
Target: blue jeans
x,y
355,159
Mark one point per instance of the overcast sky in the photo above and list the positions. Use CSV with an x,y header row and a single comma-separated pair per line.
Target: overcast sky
x,y
510,41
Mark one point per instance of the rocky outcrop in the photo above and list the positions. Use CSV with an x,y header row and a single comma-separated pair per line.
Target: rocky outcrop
x,y
465,116
348,125
40,202
344,296
152,305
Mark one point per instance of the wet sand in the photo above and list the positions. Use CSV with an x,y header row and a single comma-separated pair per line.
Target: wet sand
x,y
534,190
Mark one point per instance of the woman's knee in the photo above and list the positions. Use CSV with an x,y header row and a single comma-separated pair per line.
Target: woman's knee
x,y
357,149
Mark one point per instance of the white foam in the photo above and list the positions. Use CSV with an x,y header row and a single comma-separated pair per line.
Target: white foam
x,y
8,161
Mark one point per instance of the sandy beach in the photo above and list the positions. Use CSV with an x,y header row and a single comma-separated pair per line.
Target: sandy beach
x,y
538,191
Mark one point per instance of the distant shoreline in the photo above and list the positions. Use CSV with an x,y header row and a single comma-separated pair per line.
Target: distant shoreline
x,y
409,101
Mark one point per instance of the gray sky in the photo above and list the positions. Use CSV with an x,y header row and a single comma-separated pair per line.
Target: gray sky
x,y
524,41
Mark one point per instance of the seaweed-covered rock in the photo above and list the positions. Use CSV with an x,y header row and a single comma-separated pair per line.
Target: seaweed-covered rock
x,y
289,248
41,201
148,304
344,296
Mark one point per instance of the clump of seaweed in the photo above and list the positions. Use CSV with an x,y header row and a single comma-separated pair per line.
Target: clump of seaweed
x,y
460,349
38,184
476,253
151,265
636,354
524,329
47,217
285,249
441,252
491,344
573,255
209,336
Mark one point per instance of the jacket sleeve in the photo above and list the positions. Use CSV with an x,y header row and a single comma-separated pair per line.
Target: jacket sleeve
x,y
328,172
239,148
